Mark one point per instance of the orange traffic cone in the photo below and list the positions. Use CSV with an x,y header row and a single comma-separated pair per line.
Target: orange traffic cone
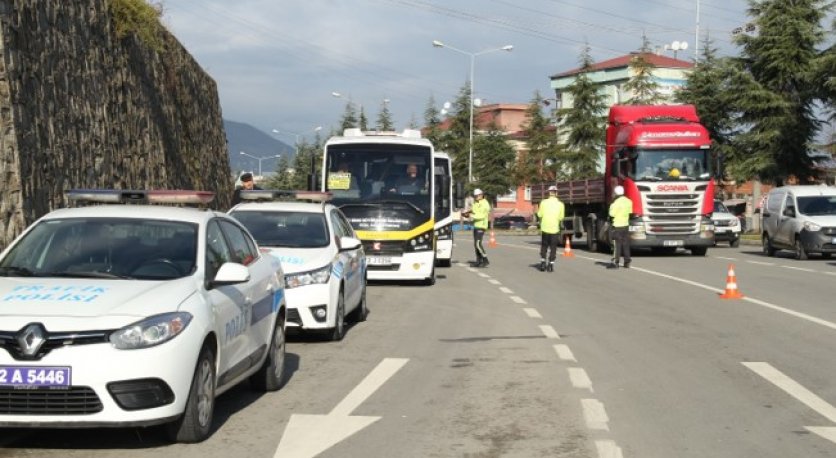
x,y
492,240
731,286
567,250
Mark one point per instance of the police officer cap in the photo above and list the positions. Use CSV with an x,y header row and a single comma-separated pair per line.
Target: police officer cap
x,y
246,176
477,192
552,188
619,190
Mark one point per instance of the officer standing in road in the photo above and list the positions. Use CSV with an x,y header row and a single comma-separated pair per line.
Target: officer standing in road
x,y
620,210
480,214
550,213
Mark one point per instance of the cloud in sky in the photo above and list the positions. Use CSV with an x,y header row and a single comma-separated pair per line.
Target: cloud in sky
x,y
277,62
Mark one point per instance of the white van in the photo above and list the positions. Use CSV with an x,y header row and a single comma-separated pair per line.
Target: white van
x,y
800,218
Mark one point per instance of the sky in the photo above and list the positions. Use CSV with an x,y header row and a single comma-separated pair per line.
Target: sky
x,y
277,62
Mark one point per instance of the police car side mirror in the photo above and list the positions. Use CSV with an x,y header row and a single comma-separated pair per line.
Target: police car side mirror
x,y
349,243
231,273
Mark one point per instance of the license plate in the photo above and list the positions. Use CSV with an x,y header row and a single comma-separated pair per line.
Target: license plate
x,y
672,243
378,261
34,376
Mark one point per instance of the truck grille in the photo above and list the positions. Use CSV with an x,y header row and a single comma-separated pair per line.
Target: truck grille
x,y
77,400
672,214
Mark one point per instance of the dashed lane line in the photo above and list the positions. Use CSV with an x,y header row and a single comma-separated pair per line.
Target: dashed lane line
x,y
580,379
802,269
595,415
494,281
608,449
723,257
761,263
483,275
518,300
549,332
564,353
506,290
532,313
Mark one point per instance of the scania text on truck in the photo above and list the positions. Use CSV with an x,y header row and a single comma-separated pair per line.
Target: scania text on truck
x,y
660,154
384,183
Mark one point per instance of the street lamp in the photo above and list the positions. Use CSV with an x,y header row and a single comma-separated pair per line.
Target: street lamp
x,y
472,55
259,159
676,46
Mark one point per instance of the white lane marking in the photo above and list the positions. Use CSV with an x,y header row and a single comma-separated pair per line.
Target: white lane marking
x,y
829,273
794,389
594,414
549,332
532,313
564,353
518,300
727,259
471,269
309,435
506,290
580,379
461,264
484,275
494,281
802,269
608,449
777,308
828,433
761,263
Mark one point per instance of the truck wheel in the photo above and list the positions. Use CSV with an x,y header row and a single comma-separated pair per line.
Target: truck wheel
x,y
735,242
591,236
800,252
699,251
768,249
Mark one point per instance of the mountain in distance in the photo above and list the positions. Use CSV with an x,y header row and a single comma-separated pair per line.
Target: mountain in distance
x,y
244,137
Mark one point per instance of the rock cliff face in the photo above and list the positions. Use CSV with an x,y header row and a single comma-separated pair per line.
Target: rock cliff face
x,y
81,108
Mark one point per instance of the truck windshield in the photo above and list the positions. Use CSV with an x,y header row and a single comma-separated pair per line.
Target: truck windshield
x,y
380,174
669,165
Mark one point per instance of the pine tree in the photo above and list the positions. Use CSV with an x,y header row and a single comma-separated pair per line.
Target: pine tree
x,y
283,178
363,122
349,119
456,138
641,84
493,162
774,90
384,118
706,88
584,125
431,121
533,164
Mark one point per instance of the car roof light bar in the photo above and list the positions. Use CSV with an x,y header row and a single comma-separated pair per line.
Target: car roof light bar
x,y
285,195
132,196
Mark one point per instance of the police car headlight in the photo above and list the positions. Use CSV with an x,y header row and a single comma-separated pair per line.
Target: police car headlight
x,y
311,277
811,226
150,331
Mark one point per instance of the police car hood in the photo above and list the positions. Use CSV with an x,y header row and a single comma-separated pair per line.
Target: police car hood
x,y
295,260
41,298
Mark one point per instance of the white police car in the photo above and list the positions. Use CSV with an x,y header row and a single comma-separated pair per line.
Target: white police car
x,y
135,315
323,260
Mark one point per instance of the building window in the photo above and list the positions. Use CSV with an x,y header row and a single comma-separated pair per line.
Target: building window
x,y
527,195
510,197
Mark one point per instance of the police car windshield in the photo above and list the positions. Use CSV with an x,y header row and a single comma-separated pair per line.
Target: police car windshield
x,y
285,228
108,248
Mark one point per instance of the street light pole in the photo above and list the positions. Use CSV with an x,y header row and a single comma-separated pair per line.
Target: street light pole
x,y
439,44
259,159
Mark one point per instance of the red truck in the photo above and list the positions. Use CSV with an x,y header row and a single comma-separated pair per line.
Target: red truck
x,y
660,154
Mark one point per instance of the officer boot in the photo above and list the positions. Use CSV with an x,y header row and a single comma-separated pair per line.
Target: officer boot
x,y
485,262
551,267
542,266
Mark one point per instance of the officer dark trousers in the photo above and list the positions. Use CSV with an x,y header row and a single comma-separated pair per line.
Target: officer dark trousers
x,y
481,254
549,242
621,238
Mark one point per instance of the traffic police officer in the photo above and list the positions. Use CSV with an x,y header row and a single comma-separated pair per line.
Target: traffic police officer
x,y
550,213
480,214
620,210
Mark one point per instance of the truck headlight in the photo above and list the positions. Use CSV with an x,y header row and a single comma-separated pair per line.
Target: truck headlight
x,y
150,331
811,226
311,277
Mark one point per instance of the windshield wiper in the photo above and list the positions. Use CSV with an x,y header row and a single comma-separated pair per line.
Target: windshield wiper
x,y
650,178
16,271
84,274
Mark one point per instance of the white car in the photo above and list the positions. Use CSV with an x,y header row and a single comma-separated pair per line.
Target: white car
x,y
135,315
323,260
726,225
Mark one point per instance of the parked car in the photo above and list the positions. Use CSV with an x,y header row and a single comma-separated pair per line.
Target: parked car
x,y
136,315
323,260
800,218
510,222
726,225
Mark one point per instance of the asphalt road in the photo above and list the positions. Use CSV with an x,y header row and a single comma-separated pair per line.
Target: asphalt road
x,y
511,362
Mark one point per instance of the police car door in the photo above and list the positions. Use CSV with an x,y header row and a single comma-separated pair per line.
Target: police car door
x,y
349,258
258,302
227,303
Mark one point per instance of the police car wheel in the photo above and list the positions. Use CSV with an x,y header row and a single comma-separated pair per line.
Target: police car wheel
x,y
800,252
338,332
270,376
360,313
195,424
